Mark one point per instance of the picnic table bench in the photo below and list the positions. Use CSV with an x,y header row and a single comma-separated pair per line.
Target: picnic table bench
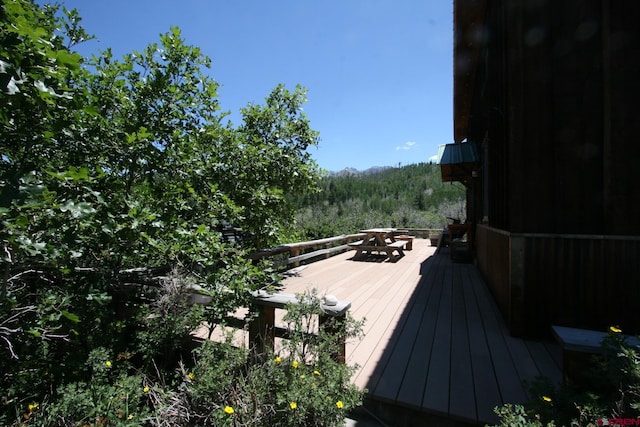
x,y
408,239
389,248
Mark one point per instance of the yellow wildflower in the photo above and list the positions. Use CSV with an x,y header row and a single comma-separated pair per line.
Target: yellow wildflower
x,y
294,364
146,389
191,375
293,405
546,399
107,363
130,417
228,410
32,406
615,330
317,373
303,376
278,359
339,404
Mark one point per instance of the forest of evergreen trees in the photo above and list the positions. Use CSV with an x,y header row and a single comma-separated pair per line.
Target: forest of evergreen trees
x,y
411,196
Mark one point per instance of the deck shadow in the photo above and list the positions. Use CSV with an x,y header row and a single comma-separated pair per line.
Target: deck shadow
x,y
450,359
375,258
436,350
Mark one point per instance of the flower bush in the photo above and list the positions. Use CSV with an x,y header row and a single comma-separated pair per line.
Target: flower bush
x,y
302,386
217,384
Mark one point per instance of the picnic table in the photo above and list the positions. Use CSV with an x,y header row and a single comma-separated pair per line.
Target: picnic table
x,y
380,240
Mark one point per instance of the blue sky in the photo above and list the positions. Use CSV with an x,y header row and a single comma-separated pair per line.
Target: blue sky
x,y
378,72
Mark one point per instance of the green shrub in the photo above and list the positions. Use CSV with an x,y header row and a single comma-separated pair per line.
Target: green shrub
x,y
216,384
608,389
516,416
300,385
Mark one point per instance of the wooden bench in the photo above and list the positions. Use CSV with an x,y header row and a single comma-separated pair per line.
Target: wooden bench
x,y
408,239
398,245
263,329
578,345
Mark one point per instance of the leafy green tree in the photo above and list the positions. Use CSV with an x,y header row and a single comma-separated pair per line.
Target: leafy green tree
x,y
270,162
114,174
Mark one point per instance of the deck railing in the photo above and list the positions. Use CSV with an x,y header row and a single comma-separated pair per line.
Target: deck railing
x,y
292,254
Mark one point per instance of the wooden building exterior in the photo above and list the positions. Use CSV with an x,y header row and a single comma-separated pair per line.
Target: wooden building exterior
x,y
549,93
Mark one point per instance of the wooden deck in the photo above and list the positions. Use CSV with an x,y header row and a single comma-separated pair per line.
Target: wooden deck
x,y
436,350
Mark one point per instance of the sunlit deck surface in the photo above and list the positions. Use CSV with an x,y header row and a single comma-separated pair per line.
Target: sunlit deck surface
x,y
436,350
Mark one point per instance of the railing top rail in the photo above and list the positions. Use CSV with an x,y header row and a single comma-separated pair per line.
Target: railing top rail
x,y
330,306
311,243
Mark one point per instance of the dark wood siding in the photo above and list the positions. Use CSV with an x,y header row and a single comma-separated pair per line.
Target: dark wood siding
x,y
570,280
493,262
554,109
622,126
582,281
555,104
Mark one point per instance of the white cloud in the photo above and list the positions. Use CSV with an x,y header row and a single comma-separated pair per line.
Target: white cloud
x,y
407,146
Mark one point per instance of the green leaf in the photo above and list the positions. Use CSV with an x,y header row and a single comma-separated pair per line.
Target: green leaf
x,y
78,174
77,210
73,174
92,110
68,59
70,316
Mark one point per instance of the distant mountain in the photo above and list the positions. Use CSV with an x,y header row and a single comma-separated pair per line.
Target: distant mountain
x,y
353,171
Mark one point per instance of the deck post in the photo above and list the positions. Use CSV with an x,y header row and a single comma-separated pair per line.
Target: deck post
x,y
335,325
294,252
261,336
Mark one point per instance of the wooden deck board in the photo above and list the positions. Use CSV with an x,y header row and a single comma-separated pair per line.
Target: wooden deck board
x,y
380,332
416,374
507,375
484,377
437,387
435,341
462,403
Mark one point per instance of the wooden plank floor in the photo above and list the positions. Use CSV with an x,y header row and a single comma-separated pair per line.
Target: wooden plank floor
x,y
435,344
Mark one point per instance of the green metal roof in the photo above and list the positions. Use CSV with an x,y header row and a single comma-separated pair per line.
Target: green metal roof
x,y
464,152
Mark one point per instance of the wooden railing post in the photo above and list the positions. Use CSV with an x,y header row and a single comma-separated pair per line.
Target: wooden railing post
x,y
294,252
335,325
261,334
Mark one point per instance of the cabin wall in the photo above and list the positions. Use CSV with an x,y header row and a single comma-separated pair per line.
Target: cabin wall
x,y
621,152
553,109
553,113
